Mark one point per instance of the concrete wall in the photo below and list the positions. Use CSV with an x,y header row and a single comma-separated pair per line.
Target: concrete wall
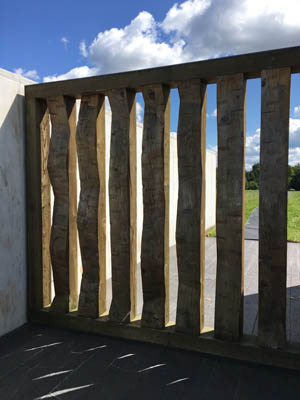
x,y
12,202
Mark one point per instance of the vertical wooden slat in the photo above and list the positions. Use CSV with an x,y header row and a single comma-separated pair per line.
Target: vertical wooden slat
x,y
275,108
62,173
101,153
35,115
167,148
154,264
73,235
46,209
123,112
190,227
231,95
87,220
133,212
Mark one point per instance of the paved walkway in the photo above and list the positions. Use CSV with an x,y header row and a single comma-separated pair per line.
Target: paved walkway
x,y
252,226
43,363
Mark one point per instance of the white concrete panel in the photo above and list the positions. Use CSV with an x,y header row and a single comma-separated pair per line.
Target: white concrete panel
x,y
12,202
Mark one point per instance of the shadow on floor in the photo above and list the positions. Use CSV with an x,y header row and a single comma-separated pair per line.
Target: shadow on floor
x,y
40,363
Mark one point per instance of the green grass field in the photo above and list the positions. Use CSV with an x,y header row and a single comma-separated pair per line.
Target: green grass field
x,y
293,213
294,217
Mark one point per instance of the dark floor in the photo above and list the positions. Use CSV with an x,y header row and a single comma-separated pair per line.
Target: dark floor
x,y
41,363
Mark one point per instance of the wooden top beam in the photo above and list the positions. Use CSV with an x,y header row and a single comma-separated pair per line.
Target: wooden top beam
x,y
250,65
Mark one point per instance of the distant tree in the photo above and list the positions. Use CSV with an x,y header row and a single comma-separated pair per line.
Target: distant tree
x,y
295,179
252,178
291,174
252,185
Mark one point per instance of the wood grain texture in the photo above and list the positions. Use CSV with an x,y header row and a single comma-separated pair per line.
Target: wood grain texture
x,y
231,95
133,212
62,176
275,108
153,237
35,115
190,227
102,245
73,234
208,70
46,209
122,105
87,219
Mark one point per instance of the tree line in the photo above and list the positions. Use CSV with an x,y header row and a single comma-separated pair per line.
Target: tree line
x,y
252,177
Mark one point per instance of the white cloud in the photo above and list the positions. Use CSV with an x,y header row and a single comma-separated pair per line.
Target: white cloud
x,y
30,74
83,49
297,111
135,46
214,113
65,41
193,30
139,112
80,72
253,145
214,28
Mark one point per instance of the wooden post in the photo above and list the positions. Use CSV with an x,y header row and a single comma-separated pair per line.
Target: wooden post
x,y
46,210
133,212
190,227
62,172
38,263
275,109
122,103
230,207
154,263
88,222
101,154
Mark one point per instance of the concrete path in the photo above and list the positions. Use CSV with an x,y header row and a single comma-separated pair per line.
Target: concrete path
x,y
44,363
252,226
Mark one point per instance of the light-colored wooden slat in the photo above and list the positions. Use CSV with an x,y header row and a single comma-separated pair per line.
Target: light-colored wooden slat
x,y
190,227
133,212
275,108
122,103
88,209
249,64
46,209
36,114
62,173
73,234
154,264
101,153
231,95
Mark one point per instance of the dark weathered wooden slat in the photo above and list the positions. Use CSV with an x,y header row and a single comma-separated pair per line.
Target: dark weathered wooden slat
x,y
62,175
153,238
231,93
46,209
36,114
190,227
122,105
273,207
87,219
250,64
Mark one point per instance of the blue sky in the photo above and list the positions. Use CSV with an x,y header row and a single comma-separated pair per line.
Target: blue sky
x,y
69,39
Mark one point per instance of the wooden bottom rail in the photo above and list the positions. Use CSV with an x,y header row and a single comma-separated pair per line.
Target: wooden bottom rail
x,y
247,350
